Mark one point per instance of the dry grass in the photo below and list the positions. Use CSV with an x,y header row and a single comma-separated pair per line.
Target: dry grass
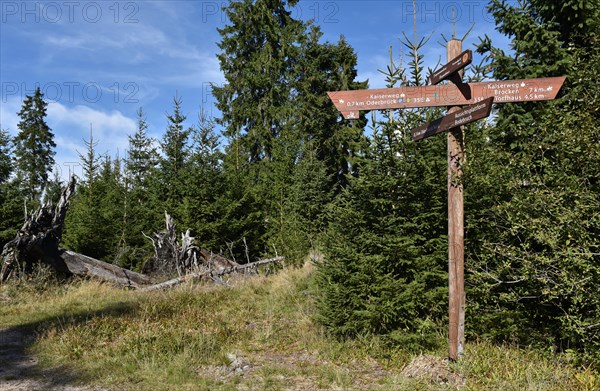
x,y
258,335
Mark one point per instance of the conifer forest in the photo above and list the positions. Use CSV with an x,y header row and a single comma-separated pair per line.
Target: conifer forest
x,y
280,172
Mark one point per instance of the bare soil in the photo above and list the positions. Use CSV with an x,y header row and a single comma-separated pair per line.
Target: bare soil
x,y
19,370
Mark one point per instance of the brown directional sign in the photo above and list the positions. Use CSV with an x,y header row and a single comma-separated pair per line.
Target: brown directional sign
x,y
464,116
458,63
507,91
351,114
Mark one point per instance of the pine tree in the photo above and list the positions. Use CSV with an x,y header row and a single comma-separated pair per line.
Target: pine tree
x,y
11,205
385,262
6,166
325,67
34,154
258,53
534,247
175,154
201,210
85,224
141,212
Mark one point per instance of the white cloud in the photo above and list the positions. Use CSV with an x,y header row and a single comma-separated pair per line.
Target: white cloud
x,y
71,126
8,114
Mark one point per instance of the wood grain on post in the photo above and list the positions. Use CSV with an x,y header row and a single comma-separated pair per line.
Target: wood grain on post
x,y
456,297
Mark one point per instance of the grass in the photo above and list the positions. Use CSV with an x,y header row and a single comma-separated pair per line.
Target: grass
x,y
258,335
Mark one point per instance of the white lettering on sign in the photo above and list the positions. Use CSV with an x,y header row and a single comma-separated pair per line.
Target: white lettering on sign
x,y
463,120
470,110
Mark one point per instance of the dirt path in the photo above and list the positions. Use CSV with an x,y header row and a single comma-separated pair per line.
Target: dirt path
x,y
19,371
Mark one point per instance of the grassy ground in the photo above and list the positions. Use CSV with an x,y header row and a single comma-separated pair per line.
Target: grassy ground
x,y
258,335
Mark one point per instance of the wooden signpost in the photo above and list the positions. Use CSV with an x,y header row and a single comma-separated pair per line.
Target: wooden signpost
x,y
479,97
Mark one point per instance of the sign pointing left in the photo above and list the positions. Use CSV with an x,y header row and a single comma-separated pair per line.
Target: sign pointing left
x,y
463,116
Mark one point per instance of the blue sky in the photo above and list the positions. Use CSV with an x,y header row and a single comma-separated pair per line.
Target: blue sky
x,y
98,62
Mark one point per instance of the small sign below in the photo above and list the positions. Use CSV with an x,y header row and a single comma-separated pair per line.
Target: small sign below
x,y
456,64
464,116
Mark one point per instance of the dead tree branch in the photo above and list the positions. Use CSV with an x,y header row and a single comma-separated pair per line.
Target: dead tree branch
x,y
213,274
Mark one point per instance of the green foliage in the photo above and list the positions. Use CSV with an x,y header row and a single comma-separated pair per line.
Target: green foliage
x,y
275,109
53,190
311,190
337,143
11,208
258,54
6,166
201,209
384,268
242,217
34,154
139,211
533,224
90,225
172,163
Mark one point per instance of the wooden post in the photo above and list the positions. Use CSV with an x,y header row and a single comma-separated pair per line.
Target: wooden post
x,y
456,297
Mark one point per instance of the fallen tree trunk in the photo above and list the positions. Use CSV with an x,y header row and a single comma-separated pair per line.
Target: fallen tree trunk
x,y
210,273
84,266
38,239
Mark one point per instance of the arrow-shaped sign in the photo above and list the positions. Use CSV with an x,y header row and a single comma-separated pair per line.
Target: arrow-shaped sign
x,y
507,91
458,63
463,116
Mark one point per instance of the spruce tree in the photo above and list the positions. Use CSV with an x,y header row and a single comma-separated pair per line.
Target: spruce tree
x,y
259,49
175,154
85,224
258,54
201,209
142,156
11,200
113,205
324,67
274,104
242,223
141,212
6,166
34,146
533,245
384,270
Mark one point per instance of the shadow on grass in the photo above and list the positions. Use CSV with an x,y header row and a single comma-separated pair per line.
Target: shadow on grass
x,y
19,369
